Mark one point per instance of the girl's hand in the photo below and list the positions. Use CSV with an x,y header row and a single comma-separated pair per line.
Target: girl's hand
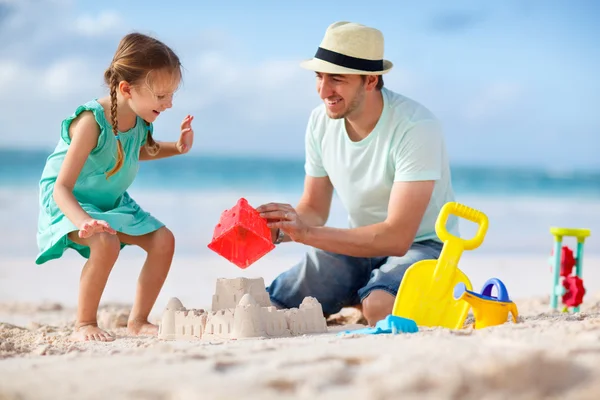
x,y
184,144
92,226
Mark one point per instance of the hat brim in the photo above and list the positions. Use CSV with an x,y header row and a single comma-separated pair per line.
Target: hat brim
x,y
325,67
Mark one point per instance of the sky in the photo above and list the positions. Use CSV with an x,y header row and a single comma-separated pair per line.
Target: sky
x,y
513,82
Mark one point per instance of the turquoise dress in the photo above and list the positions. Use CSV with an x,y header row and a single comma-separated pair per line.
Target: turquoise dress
x,y
102,198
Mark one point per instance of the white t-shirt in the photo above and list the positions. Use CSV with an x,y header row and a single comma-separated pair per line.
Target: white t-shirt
x,y
407,144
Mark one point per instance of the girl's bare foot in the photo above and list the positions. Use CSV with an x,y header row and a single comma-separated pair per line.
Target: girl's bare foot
x,y
90,332
138,327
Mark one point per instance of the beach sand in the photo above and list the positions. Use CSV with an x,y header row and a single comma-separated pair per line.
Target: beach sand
x,y
546,355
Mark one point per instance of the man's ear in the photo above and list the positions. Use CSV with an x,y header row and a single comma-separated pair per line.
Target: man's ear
x,y
125,89
371,82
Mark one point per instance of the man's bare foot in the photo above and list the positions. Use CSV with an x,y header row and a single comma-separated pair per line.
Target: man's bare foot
x,y
90,332
141,328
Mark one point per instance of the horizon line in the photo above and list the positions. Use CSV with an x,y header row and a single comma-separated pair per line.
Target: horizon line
x,y
510,165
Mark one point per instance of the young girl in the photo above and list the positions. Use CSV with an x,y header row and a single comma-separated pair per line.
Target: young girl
x,y
84,204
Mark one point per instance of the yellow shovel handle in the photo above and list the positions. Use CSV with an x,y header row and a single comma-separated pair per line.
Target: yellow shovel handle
x,y
466,212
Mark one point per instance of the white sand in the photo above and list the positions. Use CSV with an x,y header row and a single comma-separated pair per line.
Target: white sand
x,y
546,355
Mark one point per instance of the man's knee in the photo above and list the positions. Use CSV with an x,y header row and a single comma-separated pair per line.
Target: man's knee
x,y
377,305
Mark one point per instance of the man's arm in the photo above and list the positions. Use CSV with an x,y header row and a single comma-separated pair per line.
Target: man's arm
x,y
417,157
392,237
315,204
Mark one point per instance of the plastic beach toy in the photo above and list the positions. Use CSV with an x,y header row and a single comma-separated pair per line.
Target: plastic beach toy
x,y
242,235
487,309
571,289
390,324
426,291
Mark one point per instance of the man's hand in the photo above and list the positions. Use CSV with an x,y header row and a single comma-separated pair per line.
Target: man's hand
x,y
391,237
284,217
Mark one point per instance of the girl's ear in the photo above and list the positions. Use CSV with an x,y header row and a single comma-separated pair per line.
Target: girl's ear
x,y
125,89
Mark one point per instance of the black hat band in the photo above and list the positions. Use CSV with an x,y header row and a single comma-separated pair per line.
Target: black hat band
x,y
349,61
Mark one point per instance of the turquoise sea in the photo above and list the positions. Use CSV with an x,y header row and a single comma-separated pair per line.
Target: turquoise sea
x,y
20,168
189,193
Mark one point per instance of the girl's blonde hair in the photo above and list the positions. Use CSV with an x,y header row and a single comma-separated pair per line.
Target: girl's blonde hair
x,y
136,57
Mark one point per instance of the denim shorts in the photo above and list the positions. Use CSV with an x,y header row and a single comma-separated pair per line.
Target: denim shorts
x,y
338,281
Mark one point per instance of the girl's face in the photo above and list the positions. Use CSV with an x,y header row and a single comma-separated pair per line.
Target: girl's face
x,y
149,99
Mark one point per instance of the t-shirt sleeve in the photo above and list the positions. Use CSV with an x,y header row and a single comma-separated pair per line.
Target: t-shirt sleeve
x,y
417,155
313,165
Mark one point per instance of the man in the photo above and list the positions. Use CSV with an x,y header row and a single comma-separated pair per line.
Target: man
x,y
385,156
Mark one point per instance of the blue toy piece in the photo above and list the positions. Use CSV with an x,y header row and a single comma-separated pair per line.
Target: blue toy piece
x,y
492,283
390,324
487,309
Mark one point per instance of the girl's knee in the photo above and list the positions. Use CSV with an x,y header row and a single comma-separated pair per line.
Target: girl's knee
x,y
163,241
105,244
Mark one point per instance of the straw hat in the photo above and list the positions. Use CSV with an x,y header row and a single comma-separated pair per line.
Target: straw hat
x,y
350,48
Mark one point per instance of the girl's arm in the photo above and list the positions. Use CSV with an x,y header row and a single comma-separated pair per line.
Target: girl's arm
x,y
167,149
84,132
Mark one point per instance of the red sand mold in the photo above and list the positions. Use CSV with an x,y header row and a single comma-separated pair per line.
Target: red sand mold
x,y
242,235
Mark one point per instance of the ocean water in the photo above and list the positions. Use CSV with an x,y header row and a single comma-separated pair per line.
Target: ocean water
x,y
188,193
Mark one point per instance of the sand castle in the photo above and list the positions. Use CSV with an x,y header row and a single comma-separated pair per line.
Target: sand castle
x,y
241,308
